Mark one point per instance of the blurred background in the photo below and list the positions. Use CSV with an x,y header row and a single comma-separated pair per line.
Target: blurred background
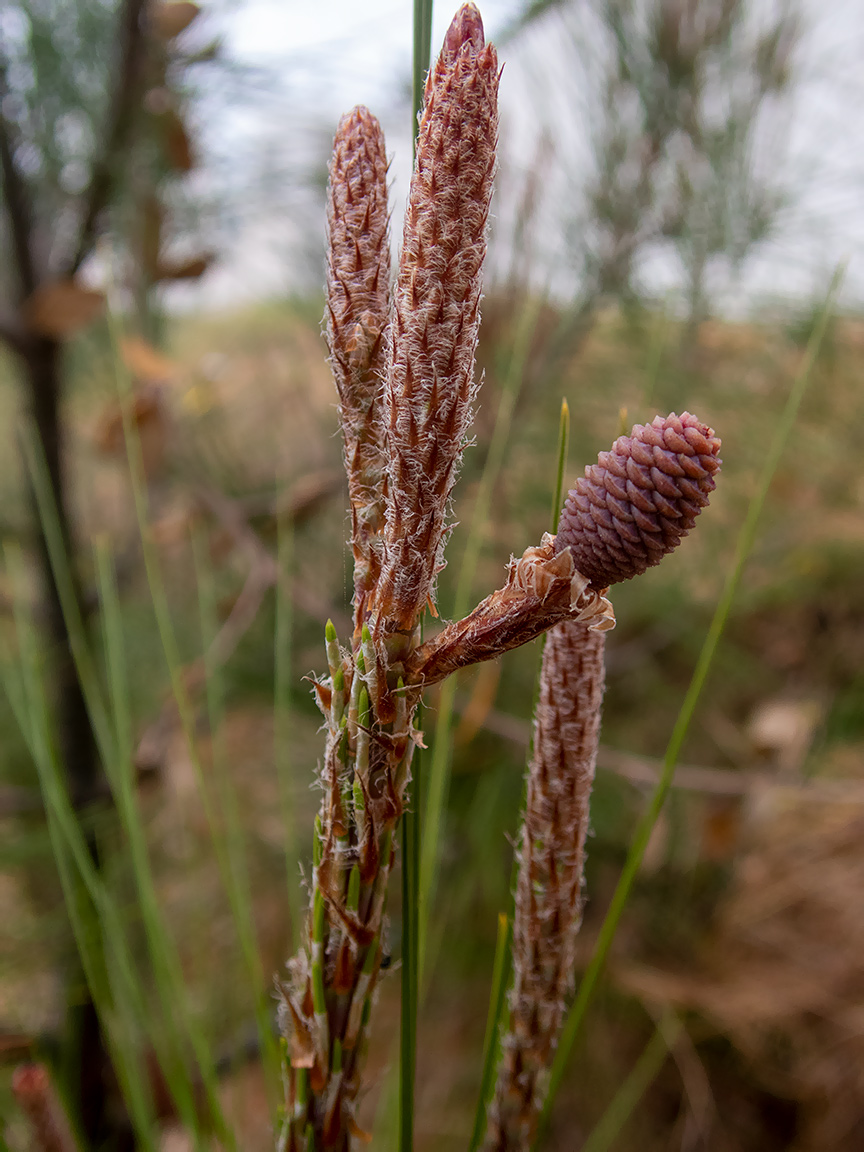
x,y
678,182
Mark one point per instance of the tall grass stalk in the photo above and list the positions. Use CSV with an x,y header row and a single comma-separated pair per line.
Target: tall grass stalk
x,y
491,1041
236,859
607,1129
163,954
105,959
282,663
232,873
95,920
743,548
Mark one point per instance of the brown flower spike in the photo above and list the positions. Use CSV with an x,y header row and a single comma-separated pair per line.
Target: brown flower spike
x,y
358,302
551,855
640,499
405,383
429,385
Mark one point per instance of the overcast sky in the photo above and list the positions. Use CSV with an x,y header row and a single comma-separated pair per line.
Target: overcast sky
x,y
320,57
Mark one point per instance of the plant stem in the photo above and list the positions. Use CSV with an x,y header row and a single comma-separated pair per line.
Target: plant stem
x,y
411,892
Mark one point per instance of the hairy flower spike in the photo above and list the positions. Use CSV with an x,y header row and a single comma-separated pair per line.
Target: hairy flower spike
x,y
429,385
551,855
358,301
638,501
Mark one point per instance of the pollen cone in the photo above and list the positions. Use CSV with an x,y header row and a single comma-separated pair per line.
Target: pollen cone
x,y
640,499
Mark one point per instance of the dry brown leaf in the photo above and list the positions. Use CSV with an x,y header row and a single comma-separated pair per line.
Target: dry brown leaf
x,y
61,308
178,145
169,20
150,421
190,269
145,362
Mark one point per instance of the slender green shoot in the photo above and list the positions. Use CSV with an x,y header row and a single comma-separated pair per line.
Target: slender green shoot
x,y
93,918
165,962
743,548
104,728
410,972
234,839
492,1041
282,661
411,890
422,54
624,1102
239,896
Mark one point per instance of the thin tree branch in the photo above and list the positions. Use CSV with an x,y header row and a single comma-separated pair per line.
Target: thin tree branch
x,y
120,116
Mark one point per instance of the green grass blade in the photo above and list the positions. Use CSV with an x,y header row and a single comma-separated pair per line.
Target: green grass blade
x,y
239,898
411,890
94,920
410,966
164,959
743,548
105,735
234,848
491,1043
653,1057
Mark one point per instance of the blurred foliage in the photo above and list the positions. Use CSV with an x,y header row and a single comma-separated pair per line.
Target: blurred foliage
x,y
793,644
669,151
747,918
